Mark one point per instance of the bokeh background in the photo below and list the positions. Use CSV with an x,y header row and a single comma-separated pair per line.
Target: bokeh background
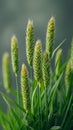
x,y
14,15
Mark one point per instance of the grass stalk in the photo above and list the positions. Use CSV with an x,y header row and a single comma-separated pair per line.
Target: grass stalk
x,y
46,107
39,106
31,84
17,89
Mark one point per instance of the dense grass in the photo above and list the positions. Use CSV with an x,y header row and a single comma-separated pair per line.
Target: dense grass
x,y
45,101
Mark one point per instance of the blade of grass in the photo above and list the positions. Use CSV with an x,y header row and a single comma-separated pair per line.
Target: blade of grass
x,y
7,98
58,47
32,102
67,109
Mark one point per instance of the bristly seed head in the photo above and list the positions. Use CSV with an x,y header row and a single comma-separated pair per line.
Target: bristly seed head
x,y
25,88
14,55
30,42
50,35
46,69
68,78
37,61
6,72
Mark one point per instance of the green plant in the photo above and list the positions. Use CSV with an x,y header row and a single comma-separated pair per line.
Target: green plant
x,y
45,101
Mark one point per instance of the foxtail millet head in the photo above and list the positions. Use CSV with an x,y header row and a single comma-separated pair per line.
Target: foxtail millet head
x,y
6,71
30,42
14,55
37,61
50,35
25,88
46,68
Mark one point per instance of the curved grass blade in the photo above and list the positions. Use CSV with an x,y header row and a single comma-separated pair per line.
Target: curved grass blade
x,y
58,47
7,98
67,109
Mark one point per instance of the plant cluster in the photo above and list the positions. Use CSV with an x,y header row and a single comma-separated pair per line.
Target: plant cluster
x,y
45,100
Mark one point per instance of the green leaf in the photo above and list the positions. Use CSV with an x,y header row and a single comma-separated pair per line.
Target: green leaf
x,y
15,116
53,90
32,102
5,121
67,109
7,99
58,47
55,128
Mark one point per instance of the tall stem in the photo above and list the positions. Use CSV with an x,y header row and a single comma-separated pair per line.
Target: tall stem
x,y
17,89
46,107
39,106
31,74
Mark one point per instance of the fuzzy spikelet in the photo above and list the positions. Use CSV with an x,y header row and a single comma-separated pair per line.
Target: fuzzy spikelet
x,y
25,88
68,78
6,72
14,55
72,55
46,69
37,62
30,42
58,62
50,35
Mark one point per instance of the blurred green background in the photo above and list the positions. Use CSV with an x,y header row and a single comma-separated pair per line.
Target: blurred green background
x,y
14,15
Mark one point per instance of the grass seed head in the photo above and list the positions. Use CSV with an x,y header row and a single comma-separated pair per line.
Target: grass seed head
x,y
50,35
46,68
68,78
30,42
6,71
25,88
37,61
14,55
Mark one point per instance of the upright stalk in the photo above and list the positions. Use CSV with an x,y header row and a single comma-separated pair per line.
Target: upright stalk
x,y
31,75
39,106
17,89
46,107
15,61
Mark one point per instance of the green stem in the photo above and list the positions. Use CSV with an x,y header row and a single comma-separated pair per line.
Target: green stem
x,y
31,82
39,107
32,100
46,107
17,89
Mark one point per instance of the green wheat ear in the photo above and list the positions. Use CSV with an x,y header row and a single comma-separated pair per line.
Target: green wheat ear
x,y
25,88
14,55
46,68
30,42
58,62
68,78
6,72
50,35
37,61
